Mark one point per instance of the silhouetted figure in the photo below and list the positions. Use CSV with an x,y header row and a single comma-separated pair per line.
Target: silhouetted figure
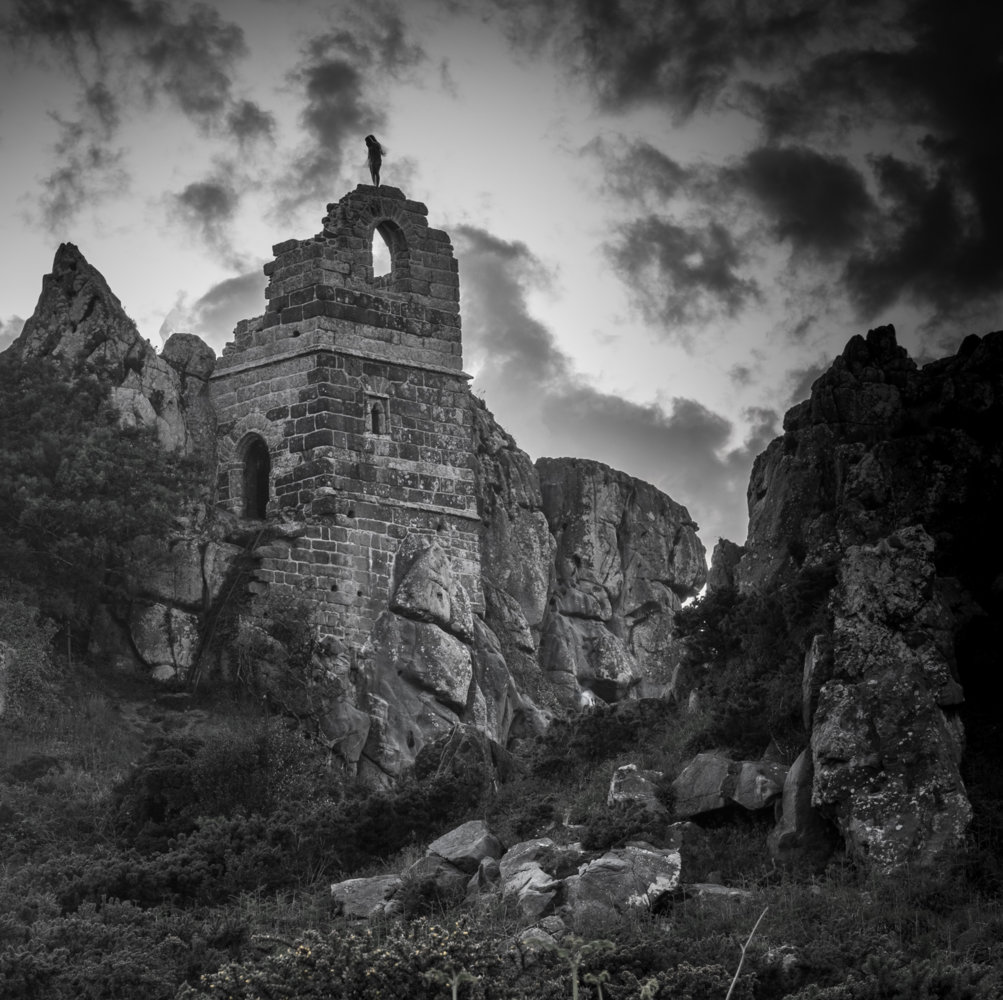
x,y
375,158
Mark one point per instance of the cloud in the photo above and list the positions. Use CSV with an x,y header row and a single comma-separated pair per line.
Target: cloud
x,y
214,315
192,61
925,81
248,122
636,169
681,55
128,55
815,202
340,76
207,207
532,386
89,170
683,275
10,330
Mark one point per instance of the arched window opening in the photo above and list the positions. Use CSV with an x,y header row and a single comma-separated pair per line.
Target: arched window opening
x,y
257,471
377,419
382,260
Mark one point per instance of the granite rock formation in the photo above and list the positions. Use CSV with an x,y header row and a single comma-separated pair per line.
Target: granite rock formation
x,y
626,557
890,478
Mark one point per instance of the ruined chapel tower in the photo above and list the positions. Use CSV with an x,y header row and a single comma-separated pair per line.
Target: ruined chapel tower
x,y
344,411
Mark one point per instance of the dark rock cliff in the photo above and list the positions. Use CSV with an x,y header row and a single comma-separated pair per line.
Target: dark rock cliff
x,y
890,479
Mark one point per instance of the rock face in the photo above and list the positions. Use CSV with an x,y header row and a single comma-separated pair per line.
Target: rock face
x,y
887,741
79,321
626,558
890,478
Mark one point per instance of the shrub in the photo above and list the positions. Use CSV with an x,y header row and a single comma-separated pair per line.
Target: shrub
x,y
29,687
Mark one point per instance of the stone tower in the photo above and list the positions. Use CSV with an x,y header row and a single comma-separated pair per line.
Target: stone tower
x,y
344,412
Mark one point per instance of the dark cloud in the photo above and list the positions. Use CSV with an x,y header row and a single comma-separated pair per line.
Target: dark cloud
x,y
192,62
208,206
89,171
248,122
129,54
532,387
680,55
928,81
636,169
214,315
144,45
10,330
818,203
340,74
682,275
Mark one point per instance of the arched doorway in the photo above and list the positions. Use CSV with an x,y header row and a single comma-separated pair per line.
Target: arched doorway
x,y
257,471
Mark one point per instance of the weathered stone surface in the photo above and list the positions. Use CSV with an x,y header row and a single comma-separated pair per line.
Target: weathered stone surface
x,y
631,786
882,446
711,781
427,590
517,548
886,756
500,695
218,561
523,880
364,898
723,562
450,882
189,355
802,838
467,755
626,557
467,846
345,729
425,656
165,637
79,321
635,876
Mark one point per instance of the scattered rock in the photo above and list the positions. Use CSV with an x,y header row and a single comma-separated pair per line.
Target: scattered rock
x,y
364,898
632,786
712,781
635,876
467,846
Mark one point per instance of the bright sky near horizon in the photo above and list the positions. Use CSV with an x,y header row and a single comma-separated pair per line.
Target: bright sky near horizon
x,y
670,215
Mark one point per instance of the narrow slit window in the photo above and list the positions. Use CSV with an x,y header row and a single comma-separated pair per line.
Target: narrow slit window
x,y
377,419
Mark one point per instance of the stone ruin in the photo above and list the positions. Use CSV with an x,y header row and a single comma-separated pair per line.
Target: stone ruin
x,y
345,407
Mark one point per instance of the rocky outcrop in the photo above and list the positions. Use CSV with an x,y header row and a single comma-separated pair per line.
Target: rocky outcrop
x,y
79,322
889,479
886,738
626,558
882,444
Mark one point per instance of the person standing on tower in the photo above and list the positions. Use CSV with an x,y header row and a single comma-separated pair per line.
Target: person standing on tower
x,y
375,158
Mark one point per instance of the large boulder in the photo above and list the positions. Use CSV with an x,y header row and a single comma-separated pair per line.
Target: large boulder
x,y
467,846
364,898
803,837
712,781
635,876
637,787
525,882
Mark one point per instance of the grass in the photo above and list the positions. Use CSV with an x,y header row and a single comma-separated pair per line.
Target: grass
x,y
815,940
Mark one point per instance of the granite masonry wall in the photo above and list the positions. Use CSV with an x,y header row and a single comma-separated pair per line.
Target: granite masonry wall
x,y
344,412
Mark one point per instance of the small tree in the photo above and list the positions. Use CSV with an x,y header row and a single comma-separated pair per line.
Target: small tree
x,y
77,489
